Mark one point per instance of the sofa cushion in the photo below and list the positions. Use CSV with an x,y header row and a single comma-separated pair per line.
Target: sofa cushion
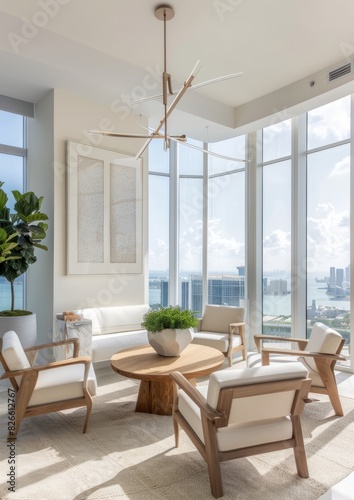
x,y
114,319
94,314
104,346
122,318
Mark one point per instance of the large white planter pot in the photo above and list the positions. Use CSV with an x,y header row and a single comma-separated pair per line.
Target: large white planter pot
x,y
24,326
170,342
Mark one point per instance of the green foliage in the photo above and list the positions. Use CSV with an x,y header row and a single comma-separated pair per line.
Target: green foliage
x,y
15,312
169,317
20,233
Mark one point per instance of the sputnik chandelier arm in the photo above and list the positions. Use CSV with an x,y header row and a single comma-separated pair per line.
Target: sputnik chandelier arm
x,y
165,13
179,138
192,87
211,153
170,109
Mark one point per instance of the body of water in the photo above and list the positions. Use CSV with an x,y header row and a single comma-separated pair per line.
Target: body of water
x,y
280,305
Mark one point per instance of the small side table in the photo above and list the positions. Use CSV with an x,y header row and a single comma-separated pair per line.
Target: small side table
x,y
81,329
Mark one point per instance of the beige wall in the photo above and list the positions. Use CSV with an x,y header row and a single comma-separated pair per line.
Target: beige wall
x,y
59,117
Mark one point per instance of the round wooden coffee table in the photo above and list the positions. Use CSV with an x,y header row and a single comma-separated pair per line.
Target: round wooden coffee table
x,y
155,391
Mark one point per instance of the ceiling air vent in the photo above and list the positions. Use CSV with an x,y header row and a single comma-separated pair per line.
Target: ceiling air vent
x,y
339,72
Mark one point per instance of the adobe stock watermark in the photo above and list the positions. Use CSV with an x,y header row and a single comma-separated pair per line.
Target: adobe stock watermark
x,y
11,441
115,286
48,9
223,7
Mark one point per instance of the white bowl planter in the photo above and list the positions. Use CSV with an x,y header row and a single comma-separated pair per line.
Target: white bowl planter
x,y
24,326
170,342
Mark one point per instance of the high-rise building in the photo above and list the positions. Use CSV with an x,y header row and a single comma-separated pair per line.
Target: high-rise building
x,y
164,293
339,277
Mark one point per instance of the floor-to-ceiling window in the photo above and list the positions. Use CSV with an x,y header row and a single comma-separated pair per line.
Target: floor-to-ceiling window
x,y
328,217
159,225
276,210
12,174
190,236
301,258
197,200
226,223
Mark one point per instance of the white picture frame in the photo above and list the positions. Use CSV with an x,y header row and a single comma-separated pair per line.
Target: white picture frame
x,y
104,211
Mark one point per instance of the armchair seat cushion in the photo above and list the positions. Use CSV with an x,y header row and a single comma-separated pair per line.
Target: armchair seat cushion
x,y
219,341
253,420
62,383
239,435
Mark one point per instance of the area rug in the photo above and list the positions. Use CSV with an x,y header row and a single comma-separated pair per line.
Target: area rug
x,y
129,455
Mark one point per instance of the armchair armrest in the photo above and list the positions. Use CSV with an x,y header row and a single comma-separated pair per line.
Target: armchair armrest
x,y
196,397
234,325
86,360
302,343
74,341
240,330
293,352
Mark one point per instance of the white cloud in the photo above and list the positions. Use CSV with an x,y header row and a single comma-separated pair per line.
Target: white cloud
x,y
342,167
328,237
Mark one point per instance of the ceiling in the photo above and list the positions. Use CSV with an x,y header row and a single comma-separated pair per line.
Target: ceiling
x,y
112,51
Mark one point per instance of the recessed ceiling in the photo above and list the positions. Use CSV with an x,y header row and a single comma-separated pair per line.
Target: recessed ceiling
x,y
114,49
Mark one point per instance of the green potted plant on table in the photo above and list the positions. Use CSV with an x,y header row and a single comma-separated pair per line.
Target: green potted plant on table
x,y
20,233
170,329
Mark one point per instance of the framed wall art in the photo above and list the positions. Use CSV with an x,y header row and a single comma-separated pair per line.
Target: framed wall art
x,y
104,211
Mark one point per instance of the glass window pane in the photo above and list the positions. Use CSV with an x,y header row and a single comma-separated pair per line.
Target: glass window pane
x,y
277,249
158,240
328,237
277,141
190,244
234,148
11,129
159,159
226,239
329,123
190,160
12,175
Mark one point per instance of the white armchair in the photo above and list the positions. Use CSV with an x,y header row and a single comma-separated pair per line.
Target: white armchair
x,y
223,328
318,354
46,388
243,412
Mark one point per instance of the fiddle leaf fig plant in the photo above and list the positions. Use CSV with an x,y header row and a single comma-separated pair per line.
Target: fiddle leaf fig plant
x,y
169,317
20,233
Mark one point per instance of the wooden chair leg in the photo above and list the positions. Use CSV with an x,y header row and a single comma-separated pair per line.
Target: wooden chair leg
x,y
229,357
176,432
333,395
299,449
88,398
23,397
212,459
330,383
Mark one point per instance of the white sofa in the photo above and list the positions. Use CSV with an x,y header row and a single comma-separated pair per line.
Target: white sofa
x,y
103,331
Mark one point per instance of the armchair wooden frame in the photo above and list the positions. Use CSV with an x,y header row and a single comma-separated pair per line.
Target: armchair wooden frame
x,y
325,364
236,329
29,376
212,420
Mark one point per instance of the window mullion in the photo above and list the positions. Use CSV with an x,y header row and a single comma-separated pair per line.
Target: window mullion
x,y
299,229
174,226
